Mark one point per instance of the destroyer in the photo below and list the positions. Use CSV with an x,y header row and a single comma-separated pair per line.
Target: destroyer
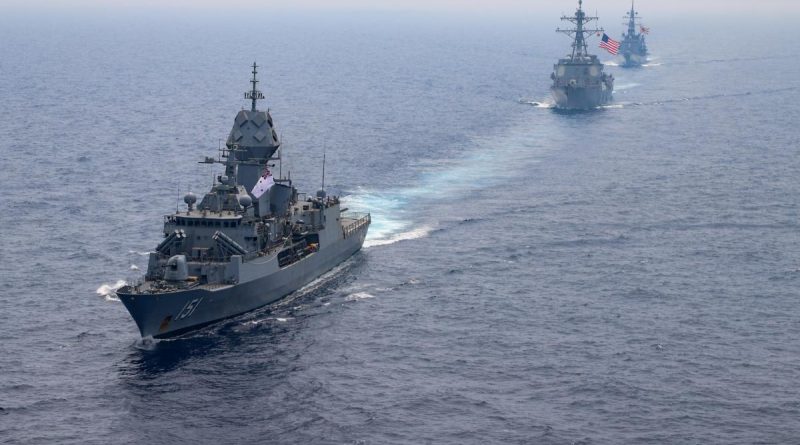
x,y
251,240
579,82
633,46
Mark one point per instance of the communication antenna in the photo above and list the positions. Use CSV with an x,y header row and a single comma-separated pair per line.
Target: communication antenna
x,y
254,94
323,166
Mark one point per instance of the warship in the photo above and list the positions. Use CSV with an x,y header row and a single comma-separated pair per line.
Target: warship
x,y
579,82
252,239
633,47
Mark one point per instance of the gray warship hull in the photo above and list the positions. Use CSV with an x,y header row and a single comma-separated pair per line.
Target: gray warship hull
x,y
579,82
164,315
252,239
634,60
633,46
577,98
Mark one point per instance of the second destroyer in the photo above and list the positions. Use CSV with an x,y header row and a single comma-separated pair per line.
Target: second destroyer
x,y
633,46
579,82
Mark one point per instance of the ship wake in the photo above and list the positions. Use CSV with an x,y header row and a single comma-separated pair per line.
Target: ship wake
x,y
544,103
419,232
397,214
626,86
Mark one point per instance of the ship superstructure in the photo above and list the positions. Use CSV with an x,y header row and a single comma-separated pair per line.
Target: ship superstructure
x,y
251,240
579,82
633,46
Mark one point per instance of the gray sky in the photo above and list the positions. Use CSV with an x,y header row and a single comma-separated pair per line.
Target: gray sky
x,y
648,7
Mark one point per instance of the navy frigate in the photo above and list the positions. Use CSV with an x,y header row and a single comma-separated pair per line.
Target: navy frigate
x,y
251,240
579,82
633,46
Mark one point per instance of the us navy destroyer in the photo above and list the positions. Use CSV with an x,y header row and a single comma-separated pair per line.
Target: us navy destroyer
x,y
251,240
633,46
579,82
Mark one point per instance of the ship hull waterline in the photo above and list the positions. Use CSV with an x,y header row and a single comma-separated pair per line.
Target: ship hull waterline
x,y
578,98
169,314
634,60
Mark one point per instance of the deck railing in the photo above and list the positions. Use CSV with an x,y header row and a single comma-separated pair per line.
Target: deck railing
x,y
353,221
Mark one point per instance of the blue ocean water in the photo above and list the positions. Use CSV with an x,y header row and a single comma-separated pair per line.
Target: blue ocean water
x,y
627,275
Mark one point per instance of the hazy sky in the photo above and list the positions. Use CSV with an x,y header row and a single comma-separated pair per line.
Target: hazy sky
x,y
650,7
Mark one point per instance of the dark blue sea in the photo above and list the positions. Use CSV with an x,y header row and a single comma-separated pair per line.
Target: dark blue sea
x,y
624,276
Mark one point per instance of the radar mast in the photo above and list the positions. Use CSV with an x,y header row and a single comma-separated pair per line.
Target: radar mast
x,y
254,94
579,48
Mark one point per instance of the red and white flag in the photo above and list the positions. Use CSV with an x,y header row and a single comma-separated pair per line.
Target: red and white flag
x,y
264,183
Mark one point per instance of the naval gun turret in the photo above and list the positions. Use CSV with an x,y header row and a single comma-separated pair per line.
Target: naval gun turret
x,y
579,82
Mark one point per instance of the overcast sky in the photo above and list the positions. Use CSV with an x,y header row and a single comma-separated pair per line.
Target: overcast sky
x,y
648,7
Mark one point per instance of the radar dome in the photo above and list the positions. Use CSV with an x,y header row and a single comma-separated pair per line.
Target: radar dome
x,y
190,198
245,201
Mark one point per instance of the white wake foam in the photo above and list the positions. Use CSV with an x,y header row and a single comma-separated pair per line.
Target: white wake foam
x,y
109,291
543,103
148,343
626,86
478,170
386,211
358,296
396,237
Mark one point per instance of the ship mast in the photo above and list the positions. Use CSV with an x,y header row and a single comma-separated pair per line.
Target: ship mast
x,y
580,49
632,21
254,94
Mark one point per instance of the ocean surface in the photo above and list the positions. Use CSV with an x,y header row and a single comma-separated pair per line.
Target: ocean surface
x,y
627,275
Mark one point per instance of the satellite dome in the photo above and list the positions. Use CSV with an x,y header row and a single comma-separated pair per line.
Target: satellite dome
x,y
245,201
190,198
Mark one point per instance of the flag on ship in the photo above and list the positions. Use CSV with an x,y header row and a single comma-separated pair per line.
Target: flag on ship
x,y
264,183
609,44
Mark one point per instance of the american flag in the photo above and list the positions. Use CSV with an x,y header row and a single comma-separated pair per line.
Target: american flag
x,y
609,44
